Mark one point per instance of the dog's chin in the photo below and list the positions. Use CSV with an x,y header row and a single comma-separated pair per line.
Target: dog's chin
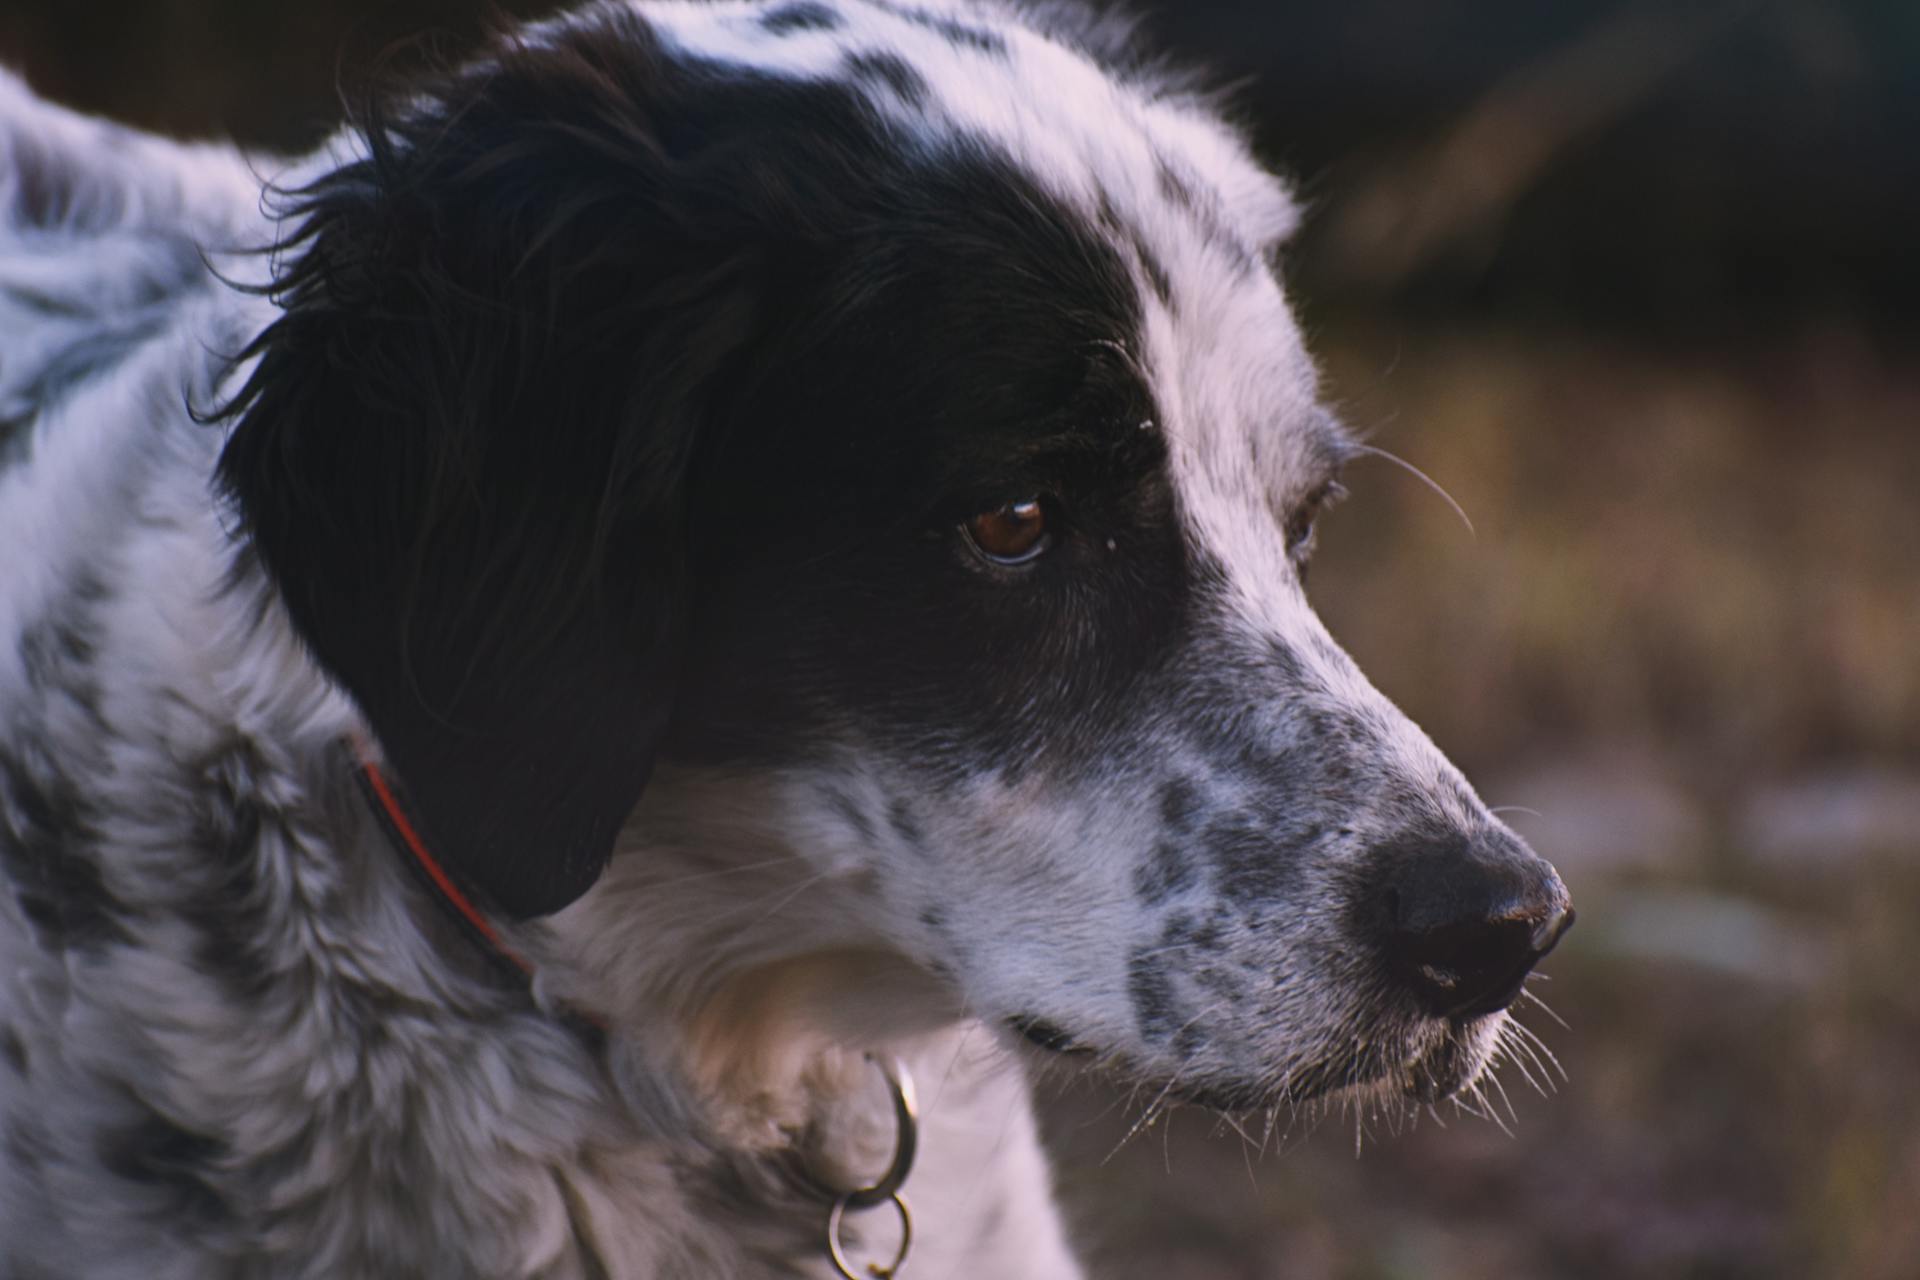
x,y
1437,1060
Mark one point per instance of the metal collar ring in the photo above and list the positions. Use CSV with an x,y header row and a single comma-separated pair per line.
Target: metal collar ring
x,y
886,1189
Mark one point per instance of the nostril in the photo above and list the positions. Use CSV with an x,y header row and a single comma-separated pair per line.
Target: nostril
x,y
1552,928
1466,970
1464,931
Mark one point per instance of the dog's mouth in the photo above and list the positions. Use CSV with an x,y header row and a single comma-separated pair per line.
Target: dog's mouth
x,y
1448,1059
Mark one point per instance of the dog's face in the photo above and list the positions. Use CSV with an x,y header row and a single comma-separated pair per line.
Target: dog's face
x,y
1014,606
955,479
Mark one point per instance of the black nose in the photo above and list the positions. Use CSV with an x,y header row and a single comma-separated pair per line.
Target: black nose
x,y
1467,919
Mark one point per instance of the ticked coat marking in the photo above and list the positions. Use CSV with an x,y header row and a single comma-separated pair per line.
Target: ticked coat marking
x,y
595,432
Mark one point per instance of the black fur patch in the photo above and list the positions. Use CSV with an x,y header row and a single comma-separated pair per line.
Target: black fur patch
x,y
16,437
46,831
801,15
464,452
889,70
230,909
591,332
882,614
852,814
1255,862
1150,265
171,266
958,34
1151,989
57,651
14,1050
154,1151
1285,664
907,827
78,362
1181,803
1156,272
1175,189
1167,871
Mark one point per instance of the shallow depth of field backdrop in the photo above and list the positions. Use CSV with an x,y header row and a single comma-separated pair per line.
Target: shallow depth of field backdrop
x,y
1639,284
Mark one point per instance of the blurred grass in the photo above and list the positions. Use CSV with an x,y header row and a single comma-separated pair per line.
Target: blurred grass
x,y
1708,553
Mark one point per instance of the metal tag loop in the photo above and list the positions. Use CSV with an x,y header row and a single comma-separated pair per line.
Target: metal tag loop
x,y
875,1270
906,1121
886,1189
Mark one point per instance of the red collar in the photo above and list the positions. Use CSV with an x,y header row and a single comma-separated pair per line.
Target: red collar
x,y
404,834
473,921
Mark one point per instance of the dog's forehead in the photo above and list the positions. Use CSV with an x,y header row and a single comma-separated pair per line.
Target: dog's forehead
x,y
977,75
1143,160
1140,160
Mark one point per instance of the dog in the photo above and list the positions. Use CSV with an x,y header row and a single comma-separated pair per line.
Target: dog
x,y
693,567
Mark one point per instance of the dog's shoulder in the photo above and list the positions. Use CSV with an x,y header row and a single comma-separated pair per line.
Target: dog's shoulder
x,y
65,173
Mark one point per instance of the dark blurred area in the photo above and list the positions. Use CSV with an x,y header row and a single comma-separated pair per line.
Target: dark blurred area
x,y
1636,283
1681,167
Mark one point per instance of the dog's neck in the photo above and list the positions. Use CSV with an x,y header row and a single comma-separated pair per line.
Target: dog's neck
x,y
740,969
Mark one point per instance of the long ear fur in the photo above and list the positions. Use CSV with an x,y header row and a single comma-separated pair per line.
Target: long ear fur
x,y
463,453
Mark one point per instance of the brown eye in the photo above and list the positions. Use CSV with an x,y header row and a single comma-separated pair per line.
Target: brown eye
x,y
1013,534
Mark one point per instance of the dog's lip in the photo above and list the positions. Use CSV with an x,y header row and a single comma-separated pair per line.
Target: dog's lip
x,y
1433,1077
1437,1074
1446,1068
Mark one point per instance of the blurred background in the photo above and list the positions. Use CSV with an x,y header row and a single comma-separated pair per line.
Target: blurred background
x,y
1638,284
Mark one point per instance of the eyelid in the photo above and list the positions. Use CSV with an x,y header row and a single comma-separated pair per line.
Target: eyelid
x,y
1299,527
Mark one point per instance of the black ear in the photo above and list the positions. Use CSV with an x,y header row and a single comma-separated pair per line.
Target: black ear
x,y
462,455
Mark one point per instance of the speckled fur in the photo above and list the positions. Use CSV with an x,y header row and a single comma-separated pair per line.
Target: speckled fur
x,y
237,1041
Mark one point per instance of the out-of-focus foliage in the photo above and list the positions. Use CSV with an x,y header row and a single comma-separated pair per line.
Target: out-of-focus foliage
x,y
1636,283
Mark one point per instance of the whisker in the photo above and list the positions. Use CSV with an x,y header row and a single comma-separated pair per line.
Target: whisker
x,y
1423,478
779,906
1528,1060
1493,1079
1512,1047
674,882
1487,1111
1536,1045
1146,1119
1544,1008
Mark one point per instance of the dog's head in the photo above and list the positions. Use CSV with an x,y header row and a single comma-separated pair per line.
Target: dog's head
x,y
896,408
